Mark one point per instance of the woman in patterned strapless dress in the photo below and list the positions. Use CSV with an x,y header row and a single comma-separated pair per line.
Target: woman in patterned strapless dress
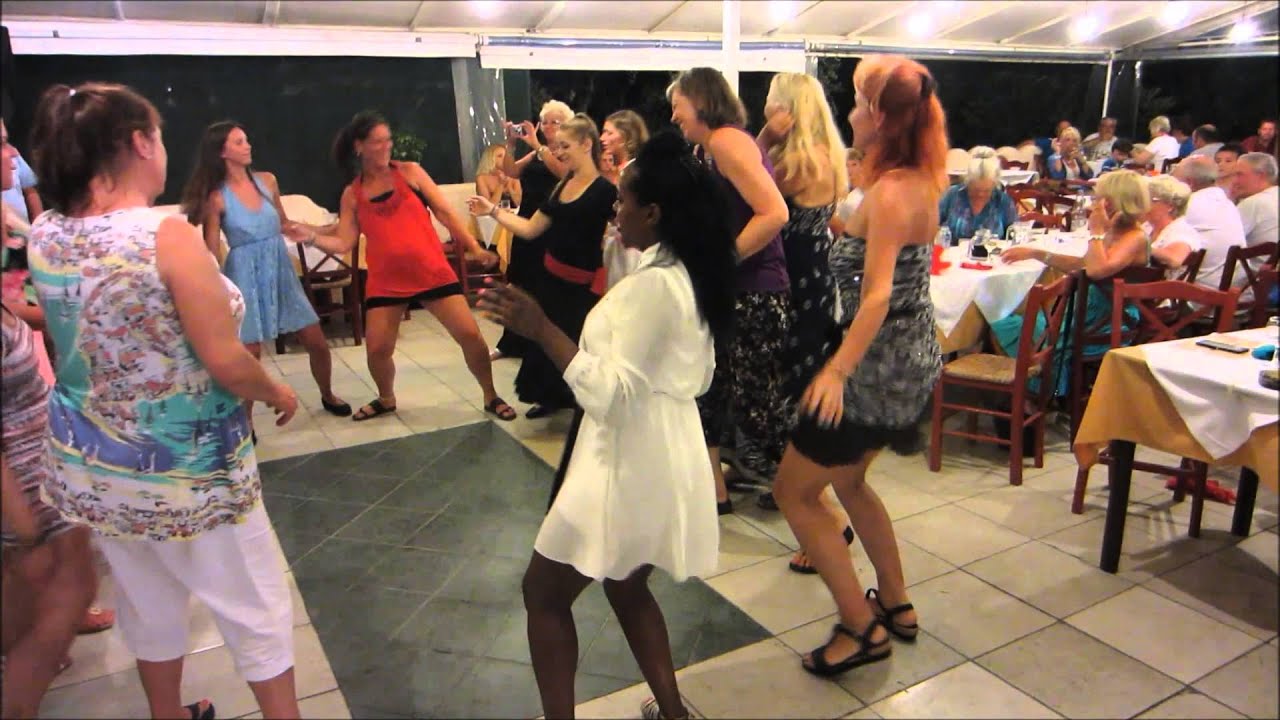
x,y
872,391
807,153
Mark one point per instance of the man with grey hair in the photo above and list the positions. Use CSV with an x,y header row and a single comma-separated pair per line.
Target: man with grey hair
x,y
1206,140
1213,216
1257,197
1163,145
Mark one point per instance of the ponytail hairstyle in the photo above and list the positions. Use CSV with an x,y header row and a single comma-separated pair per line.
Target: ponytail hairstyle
x,y
82,133
631,127
344,145
581,127
693,222
209,172
913,131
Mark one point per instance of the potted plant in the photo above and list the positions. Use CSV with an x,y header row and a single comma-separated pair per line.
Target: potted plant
x,y
407,147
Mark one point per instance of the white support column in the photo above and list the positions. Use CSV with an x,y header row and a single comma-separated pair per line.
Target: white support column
x,y
1106,88
730,45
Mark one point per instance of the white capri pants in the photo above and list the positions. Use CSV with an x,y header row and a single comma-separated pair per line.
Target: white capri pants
x,y
237,571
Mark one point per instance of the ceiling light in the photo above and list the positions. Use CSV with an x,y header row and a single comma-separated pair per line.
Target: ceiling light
x,y
1174,14
920,25
1243,31
486,8
1086,28
783,10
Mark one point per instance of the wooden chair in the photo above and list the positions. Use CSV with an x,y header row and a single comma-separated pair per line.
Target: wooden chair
x,y
319,285
1168,165
1047,221
1262,308
1030,199
1083,368
1154,325
1007,164
1006,375
1191,266
1249,261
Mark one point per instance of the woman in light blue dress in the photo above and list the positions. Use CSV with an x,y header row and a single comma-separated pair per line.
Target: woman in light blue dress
x,y
225,195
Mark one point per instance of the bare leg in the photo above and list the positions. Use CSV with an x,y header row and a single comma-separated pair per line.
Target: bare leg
x,y
839,521
722,490
313,340
875,531
56,606
277,697
162,682
646,632
797,488
455,315
550,589
382,326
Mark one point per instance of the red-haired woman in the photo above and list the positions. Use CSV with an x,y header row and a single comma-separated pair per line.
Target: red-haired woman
x,y
874,388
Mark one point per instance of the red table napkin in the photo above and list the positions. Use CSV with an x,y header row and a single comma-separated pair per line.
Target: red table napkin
x,y
938,264
975,266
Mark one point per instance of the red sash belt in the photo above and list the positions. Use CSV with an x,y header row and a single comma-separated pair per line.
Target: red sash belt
x,y
597,280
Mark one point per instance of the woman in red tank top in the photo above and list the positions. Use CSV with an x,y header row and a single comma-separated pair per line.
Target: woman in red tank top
x,y
405,257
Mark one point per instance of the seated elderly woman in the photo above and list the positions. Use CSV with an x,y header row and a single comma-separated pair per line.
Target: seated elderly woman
x,y
1116,242
1172,237
1069,162
979,202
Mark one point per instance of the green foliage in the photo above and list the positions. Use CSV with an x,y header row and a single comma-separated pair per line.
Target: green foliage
x,y
407,147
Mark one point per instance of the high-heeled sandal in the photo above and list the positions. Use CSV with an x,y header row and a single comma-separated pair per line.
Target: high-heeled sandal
x,y
902,631
650,711
868,651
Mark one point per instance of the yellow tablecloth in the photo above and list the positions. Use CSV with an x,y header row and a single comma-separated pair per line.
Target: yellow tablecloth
x,y
1128,404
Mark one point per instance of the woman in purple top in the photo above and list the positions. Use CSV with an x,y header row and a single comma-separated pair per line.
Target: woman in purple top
x,y
745,403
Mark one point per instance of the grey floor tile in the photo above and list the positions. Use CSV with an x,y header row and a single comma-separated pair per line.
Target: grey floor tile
x,y
358,489
386,525
488,580
338,562
421,571
317,517
454,626
472,533
1191,704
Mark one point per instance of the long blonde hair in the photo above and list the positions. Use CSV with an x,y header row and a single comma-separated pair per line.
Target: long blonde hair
x,y
488,160
795,158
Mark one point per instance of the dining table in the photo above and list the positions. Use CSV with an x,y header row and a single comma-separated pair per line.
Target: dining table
x,y
968,295
1191,401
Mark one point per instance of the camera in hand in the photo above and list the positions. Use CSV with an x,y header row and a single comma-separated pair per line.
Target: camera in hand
x,y
519,130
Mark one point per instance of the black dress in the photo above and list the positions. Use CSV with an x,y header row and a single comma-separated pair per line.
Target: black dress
x,y
564,286
525,262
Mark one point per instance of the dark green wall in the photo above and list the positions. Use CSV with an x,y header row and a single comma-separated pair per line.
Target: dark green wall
x,y
292,107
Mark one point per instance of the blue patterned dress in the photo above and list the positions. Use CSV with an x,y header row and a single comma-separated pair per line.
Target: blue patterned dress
x,y
146,446
258,263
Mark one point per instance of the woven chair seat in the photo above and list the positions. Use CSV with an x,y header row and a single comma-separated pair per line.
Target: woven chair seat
x,y
331,284
985,367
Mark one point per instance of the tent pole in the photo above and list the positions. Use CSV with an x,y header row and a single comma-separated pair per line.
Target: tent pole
x,y
1106,89
730,40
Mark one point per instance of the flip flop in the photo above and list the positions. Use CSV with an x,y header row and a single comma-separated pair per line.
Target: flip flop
x,y
96,620
339,409
493,408
196,714
378,409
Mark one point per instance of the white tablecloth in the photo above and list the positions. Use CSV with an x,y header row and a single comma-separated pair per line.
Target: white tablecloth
x,y
1216,393
996,292
1011,176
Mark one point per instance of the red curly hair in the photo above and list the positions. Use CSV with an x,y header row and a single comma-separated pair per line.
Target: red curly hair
x,y
913,132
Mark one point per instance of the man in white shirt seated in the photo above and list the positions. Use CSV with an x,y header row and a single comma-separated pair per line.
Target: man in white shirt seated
x,y
1257,197
1163,146
1098,145
1206,140
1213,216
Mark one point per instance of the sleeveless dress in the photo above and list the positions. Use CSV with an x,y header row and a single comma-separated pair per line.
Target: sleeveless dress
x,y
406,259
24,397
258,263
814,335
888,392
146,446
525,264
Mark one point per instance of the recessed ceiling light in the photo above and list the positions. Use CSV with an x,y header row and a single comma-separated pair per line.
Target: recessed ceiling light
x,y
486,8
919,25
1174,14
1085,28
783,10
1243,31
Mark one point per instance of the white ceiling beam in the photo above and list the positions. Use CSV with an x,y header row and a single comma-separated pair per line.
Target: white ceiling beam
x,y
552,14
793,18
418,16
969,19
118,7
1046,24
1140,17
654,27
271,13
1208,24
895,10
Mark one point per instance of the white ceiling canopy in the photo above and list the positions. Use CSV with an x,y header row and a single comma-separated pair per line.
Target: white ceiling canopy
x,y
1089,31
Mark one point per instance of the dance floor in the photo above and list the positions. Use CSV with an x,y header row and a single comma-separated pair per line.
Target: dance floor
x,y
407,537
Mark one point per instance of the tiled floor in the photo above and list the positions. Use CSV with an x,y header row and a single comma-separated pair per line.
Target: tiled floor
x,y
408,553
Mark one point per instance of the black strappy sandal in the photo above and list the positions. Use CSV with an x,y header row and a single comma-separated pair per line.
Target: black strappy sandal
x,y
902,631
810,569
376,406
208,714
500,409
868,652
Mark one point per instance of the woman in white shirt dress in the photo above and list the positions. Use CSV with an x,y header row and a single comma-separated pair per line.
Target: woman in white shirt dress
x,y
637,488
